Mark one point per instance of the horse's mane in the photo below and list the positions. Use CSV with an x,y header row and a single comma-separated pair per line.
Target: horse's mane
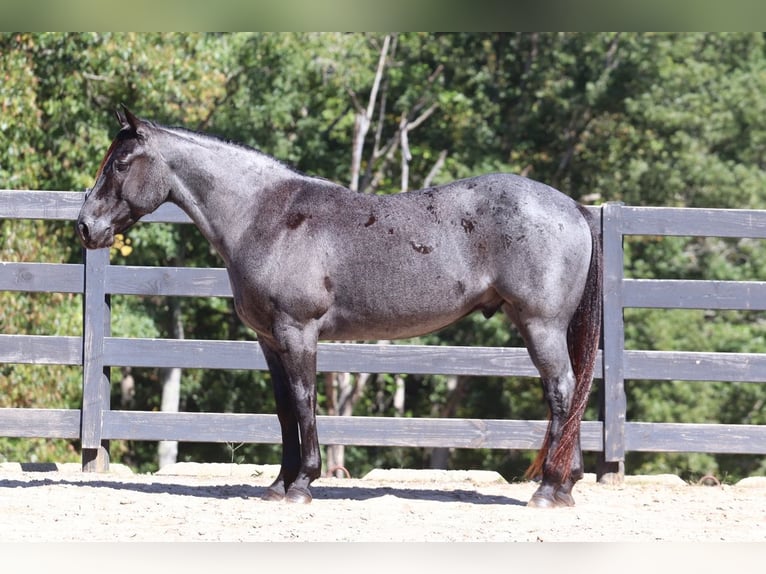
x,y
106,158
202,137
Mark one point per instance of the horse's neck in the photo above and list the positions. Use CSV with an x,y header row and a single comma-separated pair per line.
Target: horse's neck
x,y
220,185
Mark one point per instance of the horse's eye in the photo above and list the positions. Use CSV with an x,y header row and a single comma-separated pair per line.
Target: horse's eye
x,y
121,165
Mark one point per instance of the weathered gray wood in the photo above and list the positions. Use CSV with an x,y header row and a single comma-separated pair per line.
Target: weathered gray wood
x,y
426,359
614,405
685,294
685,221
694,366
452,433
331,357
25,204
65,205
360,431
40,423
177,281
41,277
41,349
686,437
192,427
185,353
95,399
167,213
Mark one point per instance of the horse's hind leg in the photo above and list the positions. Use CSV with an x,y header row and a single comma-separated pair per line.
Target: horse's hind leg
x,y
547,345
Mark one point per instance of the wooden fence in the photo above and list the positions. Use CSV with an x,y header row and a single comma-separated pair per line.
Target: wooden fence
x,y
95,423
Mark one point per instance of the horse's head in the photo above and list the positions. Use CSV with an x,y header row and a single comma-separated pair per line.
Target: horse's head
x,y
132,181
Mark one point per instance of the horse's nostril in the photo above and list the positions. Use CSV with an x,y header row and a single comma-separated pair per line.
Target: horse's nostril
x,y
83,228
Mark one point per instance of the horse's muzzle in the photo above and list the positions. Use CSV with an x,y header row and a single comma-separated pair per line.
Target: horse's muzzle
x,y
93,237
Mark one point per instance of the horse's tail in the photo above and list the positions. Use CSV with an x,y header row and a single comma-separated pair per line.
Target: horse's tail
x,y
583,337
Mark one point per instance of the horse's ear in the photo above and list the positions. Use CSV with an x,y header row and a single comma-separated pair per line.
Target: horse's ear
x,y
121,119
131,120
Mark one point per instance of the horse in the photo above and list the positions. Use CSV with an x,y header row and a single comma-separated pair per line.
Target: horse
x,y
309,259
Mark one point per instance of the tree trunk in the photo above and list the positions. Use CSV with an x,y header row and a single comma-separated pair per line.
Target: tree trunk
x,y
127,388
167,450
456,388
343,391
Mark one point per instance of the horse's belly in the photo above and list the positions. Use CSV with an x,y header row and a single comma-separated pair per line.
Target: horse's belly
x,y
416,314
345,330
371,329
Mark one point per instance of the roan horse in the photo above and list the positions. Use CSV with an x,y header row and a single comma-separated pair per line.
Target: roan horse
x,y
309,259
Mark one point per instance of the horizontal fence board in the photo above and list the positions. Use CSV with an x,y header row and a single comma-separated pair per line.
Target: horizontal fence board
x,y
185,353
688,437
167,213
65,205
40,423
25,204
694,366
42,277
191,427
41,349
446,433
686,221
425,359
359,431
415,359
687,294
340,357
176,281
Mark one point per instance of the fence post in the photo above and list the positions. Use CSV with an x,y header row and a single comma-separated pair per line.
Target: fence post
x,y
96,385
611,463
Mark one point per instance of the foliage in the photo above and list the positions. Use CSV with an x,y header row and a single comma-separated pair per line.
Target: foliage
x,y
648,119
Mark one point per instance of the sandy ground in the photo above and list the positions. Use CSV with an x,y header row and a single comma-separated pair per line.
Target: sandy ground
x,y
190,502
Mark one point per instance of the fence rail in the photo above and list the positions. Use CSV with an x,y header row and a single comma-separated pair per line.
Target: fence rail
x,y
96,350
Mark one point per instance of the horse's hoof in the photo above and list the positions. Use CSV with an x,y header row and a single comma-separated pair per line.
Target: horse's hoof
x,y
564,499
538,501
298,495
559,500
273,495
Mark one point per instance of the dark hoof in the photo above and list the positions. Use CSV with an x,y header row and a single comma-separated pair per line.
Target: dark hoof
x,y
297,495
558,500
564,499
273,495
538,501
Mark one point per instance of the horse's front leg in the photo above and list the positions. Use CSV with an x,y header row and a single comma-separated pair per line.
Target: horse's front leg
x,y
288,423
296,351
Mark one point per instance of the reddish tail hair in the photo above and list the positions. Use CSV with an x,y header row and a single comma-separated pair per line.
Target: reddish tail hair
x,y
583,336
